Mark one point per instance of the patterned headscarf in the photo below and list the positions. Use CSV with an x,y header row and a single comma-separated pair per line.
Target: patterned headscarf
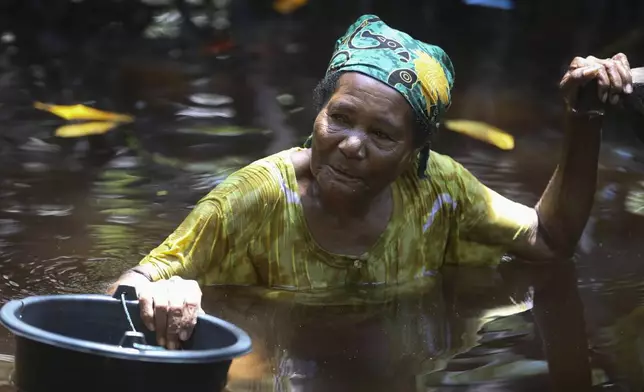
x,y
422,73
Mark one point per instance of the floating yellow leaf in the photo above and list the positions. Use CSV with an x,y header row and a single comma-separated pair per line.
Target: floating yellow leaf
x,y
482,131
223,131
85,129
288,6
82,112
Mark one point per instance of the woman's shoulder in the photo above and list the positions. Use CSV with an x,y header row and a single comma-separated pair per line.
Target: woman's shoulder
x,y
441,170
443,166
280,166
445,176
265,179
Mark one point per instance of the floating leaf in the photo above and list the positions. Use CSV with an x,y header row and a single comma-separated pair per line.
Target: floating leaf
x,y
482,131
288,6
82,112
85,129
223,131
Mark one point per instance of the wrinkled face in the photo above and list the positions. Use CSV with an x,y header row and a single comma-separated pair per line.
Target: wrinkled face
x,y
363,138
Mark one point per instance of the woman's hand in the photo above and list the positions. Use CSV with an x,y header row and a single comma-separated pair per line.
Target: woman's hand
x,y
170,307
613,78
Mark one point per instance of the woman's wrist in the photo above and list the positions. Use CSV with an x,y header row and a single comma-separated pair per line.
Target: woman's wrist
x,y
135,277
144,271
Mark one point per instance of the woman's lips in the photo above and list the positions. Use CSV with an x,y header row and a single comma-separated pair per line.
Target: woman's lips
x,y
343,173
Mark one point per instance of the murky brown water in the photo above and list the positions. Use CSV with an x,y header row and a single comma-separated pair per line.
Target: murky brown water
x,y
71,228
71,224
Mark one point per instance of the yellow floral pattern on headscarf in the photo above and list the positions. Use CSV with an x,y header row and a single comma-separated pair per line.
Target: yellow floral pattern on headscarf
x,y
432,78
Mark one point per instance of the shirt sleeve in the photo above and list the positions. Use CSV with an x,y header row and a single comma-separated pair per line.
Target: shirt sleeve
x,y
187,250
487,223
210,245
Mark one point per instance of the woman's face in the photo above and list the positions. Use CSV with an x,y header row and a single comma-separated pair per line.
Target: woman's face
x,y
362,139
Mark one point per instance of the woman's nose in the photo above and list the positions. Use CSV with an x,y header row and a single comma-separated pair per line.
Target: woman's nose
x,y
353,147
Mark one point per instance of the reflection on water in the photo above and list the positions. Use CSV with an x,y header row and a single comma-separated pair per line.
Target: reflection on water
x,y
6,369
449,336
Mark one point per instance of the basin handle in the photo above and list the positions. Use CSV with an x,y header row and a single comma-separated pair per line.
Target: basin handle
x,y
129,291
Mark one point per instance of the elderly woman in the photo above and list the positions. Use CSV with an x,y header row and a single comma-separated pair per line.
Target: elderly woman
x,y
366,202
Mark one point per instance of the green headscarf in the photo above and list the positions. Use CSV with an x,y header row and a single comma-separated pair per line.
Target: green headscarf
x,y
422,73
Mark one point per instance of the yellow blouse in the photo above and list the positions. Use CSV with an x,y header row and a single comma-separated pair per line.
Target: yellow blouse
x,y
250,230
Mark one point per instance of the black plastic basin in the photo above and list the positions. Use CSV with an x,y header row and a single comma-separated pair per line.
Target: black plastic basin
x,y
71,343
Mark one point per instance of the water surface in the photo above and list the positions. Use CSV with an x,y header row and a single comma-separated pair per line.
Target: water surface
x,y
75,214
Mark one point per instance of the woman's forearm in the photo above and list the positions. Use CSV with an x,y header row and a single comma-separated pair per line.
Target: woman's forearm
x,y
566,203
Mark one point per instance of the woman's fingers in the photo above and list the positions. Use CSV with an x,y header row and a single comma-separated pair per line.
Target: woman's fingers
x,y
619,75
161,305
577,77
171,307
622,58
603,78
613,77
616,85
584,74
146,304
175,314
603,84
624,69
191,309
578,62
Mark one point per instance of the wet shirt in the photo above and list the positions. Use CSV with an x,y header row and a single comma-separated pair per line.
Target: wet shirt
x,y
251,230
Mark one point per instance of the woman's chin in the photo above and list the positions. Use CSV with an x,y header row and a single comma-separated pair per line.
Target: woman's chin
x,y
339,190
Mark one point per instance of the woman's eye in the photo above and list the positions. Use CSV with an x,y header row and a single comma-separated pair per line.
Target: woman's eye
x,y
381,135
340,118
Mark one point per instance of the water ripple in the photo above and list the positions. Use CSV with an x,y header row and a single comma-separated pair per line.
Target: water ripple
x,y
9,227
